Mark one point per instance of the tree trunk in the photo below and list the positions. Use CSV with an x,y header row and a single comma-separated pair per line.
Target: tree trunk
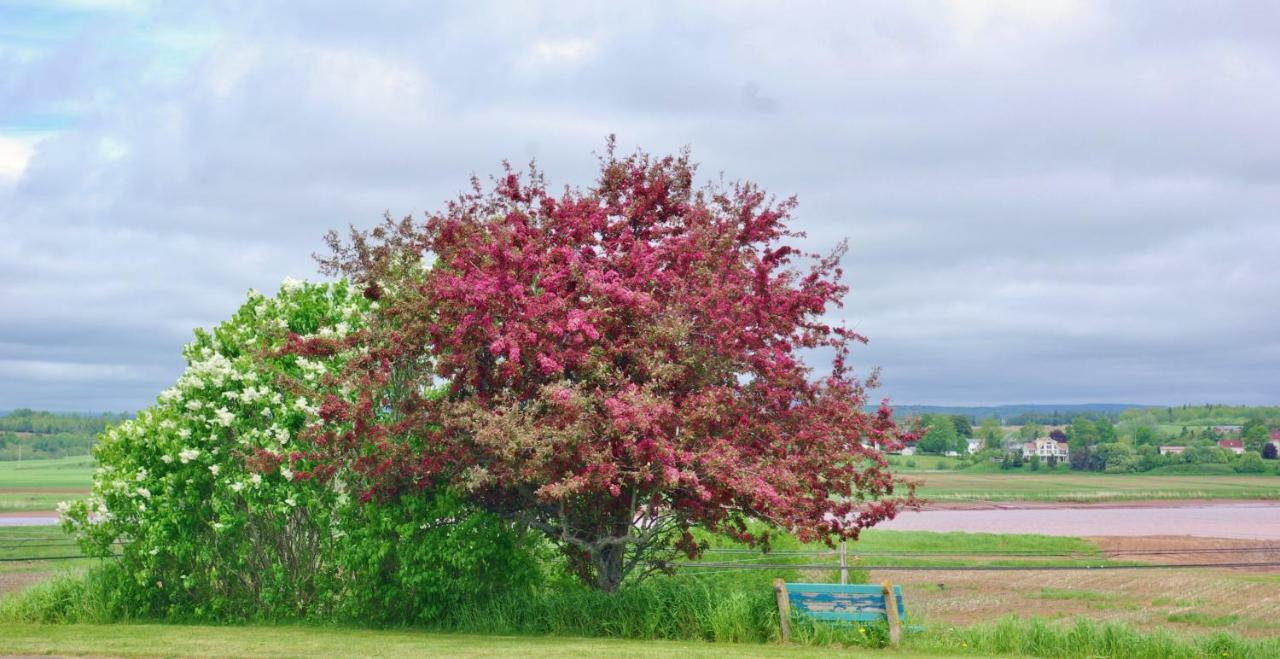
x,y
608,566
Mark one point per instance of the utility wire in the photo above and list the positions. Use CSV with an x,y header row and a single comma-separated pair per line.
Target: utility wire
x,y
941,568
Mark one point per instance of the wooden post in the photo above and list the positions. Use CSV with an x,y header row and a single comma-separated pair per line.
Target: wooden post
x,y
784,609
891,614
844,563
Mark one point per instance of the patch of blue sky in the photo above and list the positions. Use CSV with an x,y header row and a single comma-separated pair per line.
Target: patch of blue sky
x,y
35,30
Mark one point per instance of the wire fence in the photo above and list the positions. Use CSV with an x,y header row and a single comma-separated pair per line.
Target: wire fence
x,y
749,559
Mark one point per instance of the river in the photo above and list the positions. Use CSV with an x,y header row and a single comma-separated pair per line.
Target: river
x,y
1245,520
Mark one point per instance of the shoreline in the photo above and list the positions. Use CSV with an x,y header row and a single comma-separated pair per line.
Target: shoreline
x,y
1094,505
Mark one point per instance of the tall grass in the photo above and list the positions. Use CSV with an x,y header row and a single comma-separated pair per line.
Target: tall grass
x,y
721,608
1086,638
661,608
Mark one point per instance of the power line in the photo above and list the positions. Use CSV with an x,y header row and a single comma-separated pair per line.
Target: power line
x,y
942,568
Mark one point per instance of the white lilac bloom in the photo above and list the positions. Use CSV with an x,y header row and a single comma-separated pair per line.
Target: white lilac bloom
x,y
195,404
214,469
256,479
184,433
167,459
286,472
290,284
144,493
237,486
224,417
188,454
291,502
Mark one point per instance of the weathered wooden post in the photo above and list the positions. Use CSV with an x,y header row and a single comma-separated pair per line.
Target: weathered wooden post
x,y
784,609
891,614
844,563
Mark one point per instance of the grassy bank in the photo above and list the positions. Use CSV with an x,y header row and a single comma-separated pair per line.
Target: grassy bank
x,y
288,641
1009,637
41,484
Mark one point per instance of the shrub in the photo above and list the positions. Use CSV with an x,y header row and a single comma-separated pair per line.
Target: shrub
x,y
1251,463
211,503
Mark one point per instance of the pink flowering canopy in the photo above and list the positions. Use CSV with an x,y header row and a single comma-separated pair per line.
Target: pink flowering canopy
x,y
622,365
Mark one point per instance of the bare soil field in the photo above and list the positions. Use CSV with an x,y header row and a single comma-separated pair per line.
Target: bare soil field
x,y
1244,601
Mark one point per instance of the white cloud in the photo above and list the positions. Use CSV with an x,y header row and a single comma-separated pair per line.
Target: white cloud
x,y
1045,201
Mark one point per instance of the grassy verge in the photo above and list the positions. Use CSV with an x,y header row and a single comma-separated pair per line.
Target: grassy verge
x,y
291,641
41,484
1008,637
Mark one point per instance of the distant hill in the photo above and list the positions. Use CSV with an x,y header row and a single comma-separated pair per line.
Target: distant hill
x,y
1008,412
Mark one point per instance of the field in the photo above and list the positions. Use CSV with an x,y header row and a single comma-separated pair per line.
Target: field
x,y
41,484
287,641
960,486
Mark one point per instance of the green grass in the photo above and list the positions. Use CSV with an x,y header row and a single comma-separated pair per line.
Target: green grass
x,y
1087,487
1076,595
61,473
1203,619
40,484
875,540
922,463
18,542
298,641
1008,637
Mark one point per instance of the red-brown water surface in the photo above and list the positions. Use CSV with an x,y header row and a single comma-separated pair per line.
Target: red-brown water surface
x,y
1246,520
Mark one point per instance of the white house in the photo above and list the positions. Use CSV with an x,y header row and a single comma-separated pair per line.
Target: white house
x,y
975,445
1045,448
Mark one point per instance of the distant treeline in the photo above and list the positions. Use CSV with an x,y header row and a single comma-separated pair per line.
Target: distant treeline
x,y
30,435
1131,415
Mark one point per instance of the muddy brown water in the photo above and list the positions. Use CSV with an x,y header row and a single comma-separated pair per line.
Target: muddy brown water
x,y
1251,520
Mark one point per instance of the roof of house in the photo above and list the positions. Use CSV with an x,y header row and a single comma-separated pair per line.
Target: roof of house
x,y
1275,434
1231,443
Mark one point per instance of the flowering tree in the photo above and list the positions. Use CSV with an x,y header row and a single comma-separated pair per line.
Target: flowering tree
x,y
210,503
624,365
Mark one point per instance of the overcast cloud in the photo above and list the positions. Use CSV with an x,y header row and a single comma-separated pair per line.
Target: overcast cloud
x,y
1045,202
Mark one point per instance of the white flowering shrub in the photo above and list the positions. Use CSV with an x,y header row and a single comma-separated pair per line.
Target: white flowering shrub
x,y
203,498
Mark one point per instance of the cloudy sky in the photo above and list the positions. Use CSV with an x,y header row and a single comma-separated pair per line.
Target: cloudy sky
x,y
1045,202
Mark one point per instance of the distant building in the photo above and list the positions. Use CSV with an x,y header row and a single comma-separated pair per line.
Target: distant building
x,y
1235,445
975,445
1228,430
1172,450
1045,448
908,450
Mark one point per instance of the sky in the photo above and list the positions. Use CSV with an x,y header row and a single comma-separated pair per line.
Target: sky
x,y
1060,202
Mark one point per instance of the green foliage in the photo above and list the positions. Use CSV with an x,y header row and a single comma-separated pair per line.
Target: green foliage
x,y
941,436
1251,463
419,558
1255,436
1085,638
215,512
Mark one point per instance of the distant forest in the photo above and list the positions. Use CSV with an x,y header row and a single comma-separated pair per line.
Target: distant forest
x,y
1133,415
29,434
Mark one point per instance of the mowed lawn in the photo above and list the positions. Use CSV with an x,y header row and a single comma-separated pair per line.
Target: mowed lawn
x,y
41,484
946,486
298,641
